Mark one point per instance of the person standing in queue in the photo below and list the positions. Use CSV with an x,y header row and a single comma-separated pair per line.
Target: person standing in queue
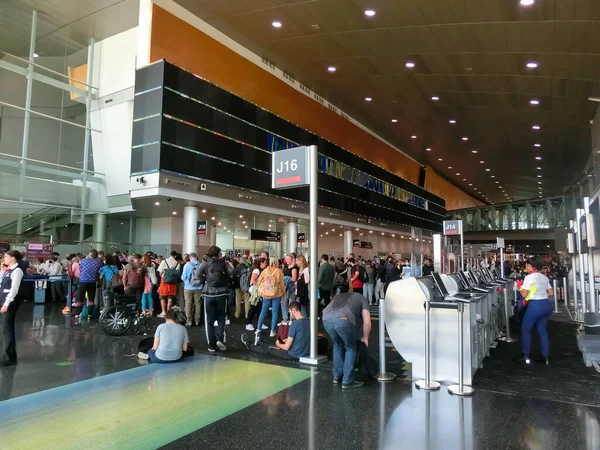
x,y
355,280
347,320
9,288
536,290
216,275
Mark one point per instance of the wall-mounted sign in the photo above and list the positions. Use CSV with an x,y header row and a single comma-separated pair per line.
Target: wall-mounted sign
x,y
39,250
201,227
290,168
452,227
4,246
356,243
301,237
261,235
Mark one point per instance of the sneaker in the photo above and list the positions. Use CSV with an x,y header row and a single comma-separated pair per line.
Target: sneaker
x,y
142,355
162,315
216,323
353,385
227,322
250,327
523,358
188,323
273,334
337,381
264,327
257,337
245,340
221,346
543,360
197,324
66,310
212,351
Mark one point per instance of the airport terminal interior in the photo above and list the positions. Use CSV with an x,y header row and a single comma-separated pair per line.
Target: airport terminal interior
x,y
316,224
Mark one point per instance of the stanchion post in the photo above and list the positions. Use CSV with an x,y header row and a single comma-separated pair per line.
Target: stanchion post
x,y
427,384
508,337
565,292
460,388
382,375
555,296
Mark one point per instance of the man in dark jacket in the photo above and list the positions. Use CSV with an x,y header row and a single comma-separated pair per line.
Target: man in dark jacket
x,y
427,267
216,275
326,281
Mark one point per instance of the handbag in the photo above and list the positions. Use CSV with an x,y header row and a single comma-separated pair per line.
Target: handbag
x,y
117,280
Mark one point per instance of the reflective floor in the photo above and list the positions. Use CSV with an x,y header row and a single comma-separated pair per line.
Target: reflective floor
x,y
75,387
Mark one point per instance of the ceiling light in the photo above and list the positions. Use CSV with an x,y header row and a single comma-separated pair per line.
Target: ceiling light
x,y
157,203
497,182
241,217
410,64
212,218
526,3
333,230
322,223
203,210
457,174
538,168
393,235
413,137
428,149
465,138
220,224
174,213
246,226
331,69
440,159
539,182
224,228
382,234
368,99
532,65
340,234
539,176
327,232
464,179
449,167
369,13
276,24
321,235
537,145
539,158
493,176
487,170
357,229
481,162
452,121
470,184
394,120
244,222
534,102
473,151
536,127
371,232
435,99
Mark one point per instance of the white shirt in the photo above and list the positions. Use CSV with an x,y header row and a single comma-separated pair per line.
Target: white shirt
x,y
44,267
55,268
169,263
16,277
541,283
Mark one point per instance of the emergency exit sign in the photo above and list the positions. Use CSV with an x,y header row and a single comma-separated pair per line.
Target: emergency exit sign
x,y
290,168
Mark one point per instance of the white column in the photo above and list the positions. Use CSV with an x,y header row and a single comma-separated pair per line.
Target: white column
x,y
100,231
190,234
348,243
292,236
213,235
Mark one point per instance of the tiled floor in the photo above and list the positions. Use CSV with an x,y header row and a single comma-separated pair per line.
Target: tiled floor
x,y
76,388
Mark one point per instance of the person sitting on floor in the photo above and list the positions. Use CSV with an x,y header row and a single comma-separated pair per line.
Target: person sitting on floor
x,y
297,344
170,341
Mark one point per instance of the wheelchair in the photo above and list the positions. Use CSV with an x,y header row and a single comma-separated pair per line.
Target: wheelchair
x,y
123,316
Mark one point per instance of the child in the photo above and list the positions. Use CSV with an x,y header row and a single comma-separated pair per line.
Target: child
x,y
147,303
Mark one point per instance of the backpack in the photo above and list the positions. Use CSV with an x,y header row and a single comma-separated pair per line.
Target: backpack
x,y
117,280
134,278
338,280
70,270
268,285
362,274
171,276
245,280
197,279
216,274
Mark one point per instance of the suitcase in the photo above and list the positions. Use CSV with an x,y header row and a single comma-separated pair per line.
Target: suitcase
x,y
39,296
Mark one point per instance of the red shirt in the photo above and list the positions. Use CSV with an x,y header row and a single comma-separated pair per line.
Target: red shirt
x,y
356,284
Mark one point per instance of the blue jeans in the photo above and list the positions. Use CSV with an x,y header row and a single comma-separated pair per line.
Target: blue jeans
x,y
343,334
153,358
268,302
537,314
147,302
368,292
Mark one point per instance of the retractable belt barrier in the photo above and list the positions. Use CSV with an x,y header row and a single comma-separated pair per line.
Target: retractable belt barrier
x,y
460,389
382,375
427,384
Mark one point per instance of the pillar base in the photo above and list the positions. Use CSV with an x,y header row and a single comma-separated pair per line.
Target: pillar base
x,y
466,390
313,362
423,386
385,376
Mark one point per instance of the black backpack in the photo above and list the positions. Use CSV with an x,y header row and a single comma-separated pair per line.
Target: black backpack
x,y
362,274
216,274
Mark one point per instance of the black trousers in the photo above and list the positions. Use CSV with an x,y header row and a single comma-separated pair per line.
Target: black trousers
x,y
254,310
270,350
326,296
89,288
357,290
58,291
8,332
137,293
215,308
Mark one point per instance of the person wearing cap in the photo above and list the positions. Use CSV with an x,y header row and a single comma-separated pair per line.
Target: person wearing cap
x,y
192,291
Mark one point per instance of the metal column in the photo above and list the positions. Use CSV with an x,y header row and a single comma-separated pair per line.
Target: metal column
x,y
589,225
100,231
292,236
437,253
213,236
581,264
190,228
26,120
131,234
348,243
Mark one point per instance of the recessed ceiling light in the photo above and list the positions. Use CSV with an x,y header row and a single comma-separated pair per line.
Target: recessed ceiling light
x,y
532,65
331,69
368,99
473,151
157,203
464,179
383,234
470,184
357,229
465,138
244,222
174,213
322,223
538,168
481,162
220,224
241,217
428,149
539,158
393,235
394,120
527,3
413,137
410,64
497,182
499,187
537,145
371,232
539,176
452,121
457,174
539,182
435,99
440,159
212,218
327,232
203,210
224,228
487,170
369,12
493,176
534,102
449,167
246,226
536,127
276,24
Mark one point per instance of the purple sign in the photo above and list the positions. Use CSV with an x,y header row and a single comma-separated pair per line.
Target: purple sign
x,y
39,250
